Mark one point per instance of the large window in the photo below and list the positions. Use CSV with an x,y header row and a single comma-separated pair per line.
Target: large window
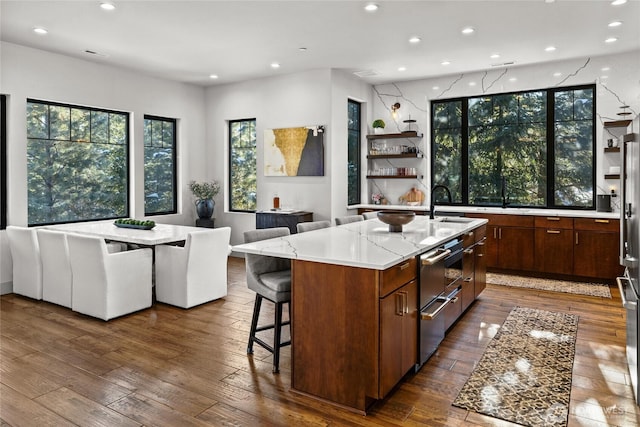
x,y
77,163
525,149
3,162
159,166
353,152
243,185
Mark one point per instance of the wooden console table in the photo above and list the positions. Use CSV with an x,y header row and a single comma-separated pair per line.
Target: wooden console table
x,y
271,219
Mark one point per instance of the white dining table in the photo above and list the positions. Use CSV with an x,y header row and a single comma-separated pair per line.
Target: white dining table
x,y
158,235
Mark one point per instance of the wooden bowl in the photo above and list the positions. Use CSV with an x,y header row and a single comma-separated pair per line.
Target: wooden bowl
x,y
396,219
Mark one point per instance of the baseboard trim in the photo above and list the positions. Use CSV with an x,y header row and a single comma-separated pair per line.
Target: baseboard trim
x,y
6,288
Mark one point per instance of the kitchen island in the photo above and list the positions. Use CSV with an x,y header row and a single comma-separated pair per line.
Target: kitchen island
x,y
354,304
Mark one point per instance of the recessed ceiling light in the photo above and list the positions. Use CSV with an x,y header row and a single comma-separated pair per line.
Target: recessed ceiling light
x,y
605,68
615,24
549,1
618,2
40,30
302,49
415,39
275,65
513,79
495,56
611,40
472,83
435,87
213,76
445,62
468,30
557,74
371,7
550,48
402,68
604,77
107,6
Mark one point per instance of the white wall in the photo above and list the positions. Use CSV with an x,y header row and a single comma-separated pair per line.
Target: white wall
x,y
620,86
30,73
317,97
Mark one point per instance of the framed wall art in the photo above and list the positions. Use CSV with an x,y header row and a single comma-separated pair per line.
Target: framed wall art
x,y
297,151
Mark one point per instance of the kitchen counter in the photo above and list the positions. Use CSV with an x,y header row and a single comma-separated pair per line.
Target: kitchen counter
x,y
365,244
575,213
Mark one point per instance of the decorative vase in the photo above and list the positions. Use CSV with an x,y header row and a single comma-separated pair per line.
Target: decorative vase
x,y
204,208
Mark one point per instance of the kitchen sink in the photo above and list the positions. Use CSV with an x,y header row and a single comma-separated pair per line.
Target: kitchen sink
x,y
455,219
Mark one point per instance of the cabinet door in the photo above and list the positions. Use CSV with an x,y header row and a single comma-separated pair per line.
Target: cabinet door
x,y
480,267
596,254
554,250
468,290
516,248
398,335
492,244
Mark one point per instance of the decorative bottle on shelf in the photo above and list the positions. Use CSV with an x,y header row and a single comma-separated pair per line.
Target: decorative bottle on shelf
x,y
276,202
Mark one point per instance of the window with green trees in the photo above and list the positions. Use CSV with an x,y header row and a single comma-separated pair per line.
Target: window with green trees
x,y
353,152
77,163
524,149
159,165
243,184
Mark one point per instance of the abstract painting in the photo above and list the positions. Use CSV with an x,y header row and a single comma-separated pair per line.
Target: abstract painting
x,y
295,151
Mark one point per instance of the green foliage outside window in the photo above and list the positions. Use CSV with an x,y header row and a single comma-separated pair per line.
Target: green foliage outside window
x,y
243,184
76,163
159,165
504,148
353,153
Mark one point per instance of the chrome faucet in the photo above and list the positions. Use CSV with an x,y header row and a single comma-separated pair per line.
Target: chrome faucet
x,y
433,199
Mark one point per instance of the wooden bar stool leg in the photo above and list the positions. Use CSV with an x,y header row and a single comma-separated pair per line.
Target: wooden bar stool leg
x,y
254,323
277,332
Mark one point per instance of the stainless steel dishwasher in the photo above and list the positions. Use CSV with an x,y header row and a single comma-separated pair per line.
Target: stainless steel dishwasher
x,y
439,271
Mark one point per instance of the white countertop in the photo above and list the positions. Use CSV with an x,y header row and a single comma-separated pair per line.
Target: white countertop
x,y
495,210
367,244
160,234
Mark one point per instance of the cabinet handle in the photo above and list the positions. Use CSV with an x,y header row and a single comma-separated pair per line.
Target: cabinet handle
x,y
405,265
468,279
602,221
495,230
500,233
405,296
553,231
399,304
453,300
553,218
468,251
577,241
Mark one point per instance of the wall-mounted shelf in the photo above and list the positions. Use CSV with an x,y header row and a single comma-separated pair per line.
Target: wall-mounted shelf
x,y
394,156
394,176
629,137
617,124
612,176
411,134
612,149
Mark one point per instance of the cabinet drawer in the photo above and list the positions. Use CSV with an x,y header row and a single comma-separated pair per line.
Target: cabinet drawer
x,y
503,220
554,222
480,233
597,224
468,239
396,276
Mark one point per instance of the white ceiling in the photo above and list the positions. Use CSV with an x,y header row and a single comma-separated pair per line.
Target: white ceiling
x,y
187,41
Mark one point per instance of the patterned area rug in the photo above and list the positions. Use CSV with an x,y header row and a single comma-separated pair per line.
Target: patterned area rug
x,y
582,288
524,375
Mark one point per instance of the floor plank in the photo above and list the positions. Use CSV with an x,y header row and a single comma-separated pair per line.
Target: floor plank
x,y
170,366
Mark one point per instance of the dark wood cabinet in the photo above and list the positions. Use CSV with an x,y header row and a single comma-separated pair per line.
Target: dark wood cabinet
x,y
554,245
480,266
290,220
467,294
510,241
398,332
596,248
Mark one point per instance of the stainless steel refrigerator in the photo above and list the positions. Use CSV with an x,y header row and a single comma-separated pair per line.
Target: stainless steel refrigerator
x,y
629,284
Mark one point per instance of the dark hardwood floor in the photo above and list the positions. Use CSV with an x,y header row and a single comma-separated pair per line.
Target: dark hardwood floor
x,y
166,366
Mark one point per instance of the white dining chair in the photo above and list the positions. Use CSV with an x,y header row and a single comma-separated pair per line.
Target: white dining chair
x,y
108,285
196,273
27,268
56,267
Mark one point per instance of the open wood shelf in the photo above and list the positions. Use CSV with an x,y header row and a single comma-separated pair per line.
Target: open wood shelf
x,y
394,156
393,176
617,124
612,176
411,134
612,149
